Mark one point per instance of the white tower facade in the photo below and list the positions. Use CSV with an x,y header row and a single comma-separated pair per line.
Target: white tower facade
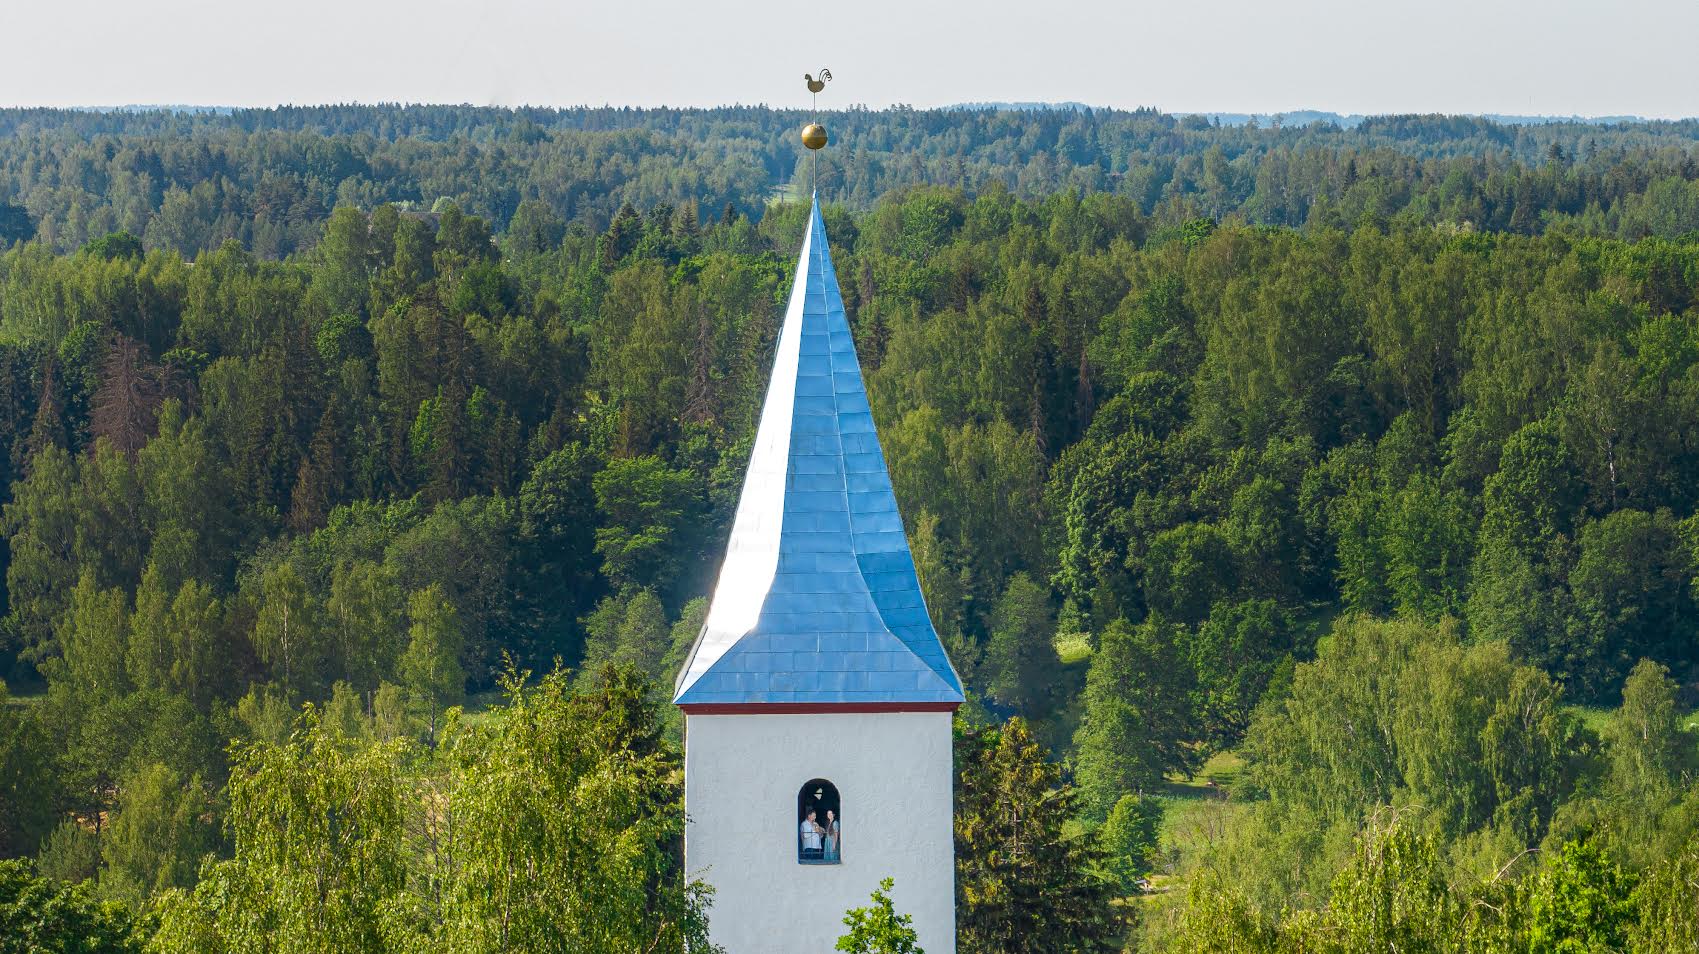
x,y
818,697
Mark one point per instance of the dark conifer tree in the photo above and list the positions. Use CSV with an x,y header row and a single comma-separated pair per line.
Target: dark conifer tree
x,y
126,406
1024,885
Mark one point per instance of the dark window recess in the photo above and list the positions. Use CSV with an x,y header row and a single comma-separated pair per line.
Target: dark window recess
x,y
819,824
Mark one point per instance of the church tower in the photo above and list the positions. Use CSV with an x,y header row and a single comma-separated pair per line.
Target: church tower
x,y
818,697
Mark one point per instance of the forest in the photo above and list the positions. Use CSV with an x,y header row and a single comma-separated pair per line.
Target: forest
x,y
1313,515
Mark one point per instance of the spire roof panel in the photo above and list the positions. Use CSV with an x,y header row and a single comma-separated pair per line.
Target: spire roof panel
x,y
817,601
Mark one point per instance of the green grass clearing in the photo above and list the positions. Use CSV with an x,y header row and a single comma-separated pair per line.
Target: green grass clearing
x,y
1214,779
1598,720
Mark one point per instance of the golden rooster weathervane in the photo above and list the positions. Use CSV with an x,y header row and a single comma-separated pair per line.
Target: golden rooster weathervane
x,y
814,134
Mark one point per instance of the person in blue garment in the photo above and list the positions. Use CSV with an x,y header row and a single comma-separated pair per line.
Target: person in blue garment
x,y
831,832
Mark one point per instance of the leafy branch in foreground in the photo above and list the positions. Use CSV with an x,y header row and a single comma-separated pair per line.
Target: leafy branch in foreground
x,y
549,825
878,928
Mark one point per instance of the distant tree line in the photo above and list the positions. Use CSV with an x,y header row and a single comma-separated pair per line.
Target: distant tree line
x,y
269,178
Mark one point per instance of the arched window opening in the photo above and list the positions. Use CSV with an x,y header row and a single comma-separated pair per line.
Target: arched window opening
x,y
820,817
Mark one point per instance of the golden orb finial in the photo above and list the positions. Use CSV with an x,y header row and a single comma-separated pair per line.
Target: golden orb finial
x,y
814,135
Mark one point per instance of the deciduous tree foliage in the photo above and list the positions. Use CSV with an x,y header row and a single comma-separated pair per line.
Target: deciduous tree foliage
x,y
551,826
1403,714
1138,713
1020,662
1394,894
28,782
39,914
878,928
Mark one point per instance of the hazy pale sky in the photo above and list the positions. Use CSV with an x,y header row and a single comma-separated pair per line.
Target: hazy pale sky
x,y
1601,57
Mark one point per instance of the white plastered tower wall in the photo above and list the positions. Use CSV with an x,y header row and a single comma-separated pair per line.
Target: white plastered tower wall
x,y
893,773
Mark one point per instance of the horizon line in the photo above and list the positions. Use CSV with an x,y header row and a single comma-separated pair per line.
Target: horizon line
x,y
996,105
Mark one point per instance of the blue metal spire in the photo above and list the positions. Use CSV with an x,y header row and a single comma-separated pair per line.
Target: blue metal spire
x,y
817,602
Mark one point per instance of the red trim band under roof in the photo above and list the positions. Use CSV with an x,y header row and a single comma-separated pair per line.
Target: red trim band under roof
x,y
807,708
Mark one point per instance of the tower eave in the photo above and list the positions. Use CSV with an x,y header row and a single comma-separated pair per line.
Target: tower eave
x,y
811,708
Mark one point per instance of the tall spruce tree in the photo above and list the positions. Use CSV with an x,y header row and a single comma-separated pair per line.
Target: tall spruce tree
x,y
1025,884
